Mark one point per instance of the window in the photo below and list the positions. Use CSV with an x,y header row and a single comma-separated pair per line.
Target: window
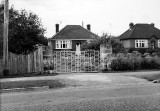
x,y
63,44
141,43
159,43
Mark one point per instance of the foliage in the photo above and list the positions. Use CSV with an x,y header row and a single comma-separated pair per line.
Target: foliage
x,y
94,44
156,50
25,31
121,64
149,64
142,51
116,45
145,50
124,64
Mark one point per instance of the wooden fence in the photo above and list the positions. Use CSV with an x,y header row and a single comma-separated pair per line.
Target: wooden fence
x,y
1,66
22,64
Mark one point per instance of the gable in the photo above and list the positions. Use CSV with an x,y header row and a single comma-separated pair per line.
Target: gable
x,y
74,32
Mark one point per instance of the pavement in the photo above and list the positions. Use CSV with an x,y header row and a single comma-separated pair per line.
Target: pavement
x,y
88,92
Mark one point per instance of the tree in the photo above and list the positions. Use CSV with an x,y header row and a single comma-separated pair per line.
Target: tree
x,y
25,31
116,45
94,44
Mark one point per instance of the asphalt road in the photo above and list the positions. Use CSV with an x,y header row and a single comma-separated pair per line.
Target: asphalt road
x,y
113,93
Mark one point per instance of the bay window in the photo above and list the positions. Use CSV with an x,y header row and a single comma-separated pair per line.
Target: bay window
x,y
141,43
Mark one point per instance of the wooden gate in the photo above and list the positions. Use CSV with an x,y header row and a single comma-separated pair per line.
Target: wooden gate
x,y
70,61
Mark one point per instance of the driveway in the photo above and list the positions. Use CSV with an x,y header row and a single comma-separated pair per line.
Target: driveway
x,y
90,79
87,92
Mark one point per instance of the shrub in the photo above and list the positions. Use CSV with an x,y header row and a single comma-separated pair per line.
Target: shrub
x,y
142,51
136,64
121,64
124,64
145,64
131,50
150,50
149,64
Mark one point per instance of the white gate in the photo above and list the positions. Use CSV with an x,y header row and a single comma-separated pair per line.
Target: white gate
x,y
70,61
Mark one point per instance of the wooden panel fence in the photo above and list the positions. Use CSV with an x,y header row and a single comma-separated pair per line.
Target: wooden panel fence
x,y
1,66
22,64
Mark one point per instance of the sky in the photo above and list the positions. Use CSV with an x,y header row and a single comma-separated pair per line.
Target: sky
x,y
104,16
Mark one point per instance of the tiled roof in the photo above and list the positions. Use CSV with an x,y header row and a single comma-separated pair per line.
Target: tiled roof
x,y
74,32
141,31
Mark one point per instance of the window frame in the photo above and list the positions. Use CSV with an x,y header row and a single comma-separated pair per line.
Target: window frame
x,y
140,42
63,44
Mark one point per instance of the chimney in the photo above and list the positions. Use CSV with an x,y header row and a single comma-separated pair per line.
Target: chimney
x,y
57,28
131,25
152,24
89,27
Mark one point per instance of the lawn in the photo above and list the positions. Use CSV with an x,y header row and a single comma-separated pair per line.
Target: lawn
x,y
36,83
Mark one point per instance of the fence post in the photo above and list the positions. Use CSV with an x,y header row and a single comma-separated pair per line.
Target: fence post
x,y
41,59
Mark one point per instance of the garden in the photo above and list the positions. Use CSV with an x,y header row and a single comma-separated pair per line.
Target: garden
x,y
123,59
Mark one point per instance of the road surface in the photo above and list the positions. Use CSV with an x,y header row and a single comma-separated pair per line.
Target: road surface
x,y
90,92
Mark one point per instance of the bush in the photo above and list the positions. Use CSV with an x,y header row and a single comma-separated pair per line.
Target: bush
x,y
124,64
136,64
142,51
150,64
150,50
145,64
121,64
131,50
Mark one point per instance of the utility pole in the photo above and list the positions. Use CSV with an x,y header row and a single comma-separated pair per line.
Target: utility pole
x,y
5,38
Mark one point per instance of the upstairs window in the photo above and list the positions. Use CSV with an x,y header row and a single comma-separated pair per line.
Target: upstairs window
x,y
63,44
141,43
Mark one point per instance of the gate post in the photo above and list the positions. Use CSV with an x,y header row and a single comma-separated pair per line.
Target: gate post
x,y
105,52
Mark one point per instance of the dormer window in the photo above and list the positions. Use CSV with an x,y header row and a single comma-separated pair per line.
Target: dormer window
x,y
63,44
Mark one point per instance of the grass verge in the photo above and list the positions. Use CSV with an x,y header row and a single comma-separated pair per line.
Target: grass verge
x,y
29,75
36,83
151,77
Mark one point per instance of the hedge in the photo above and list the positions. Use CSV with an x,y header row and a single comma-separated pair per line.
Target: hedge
x,y
124,64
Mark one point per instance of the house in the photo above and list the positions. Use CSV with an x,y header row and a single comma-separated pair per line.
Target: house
x,y
71,37
141,36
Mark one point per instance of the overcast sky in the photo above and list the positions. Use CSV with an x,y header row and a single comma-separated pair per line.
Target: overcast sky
x,y
108,16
